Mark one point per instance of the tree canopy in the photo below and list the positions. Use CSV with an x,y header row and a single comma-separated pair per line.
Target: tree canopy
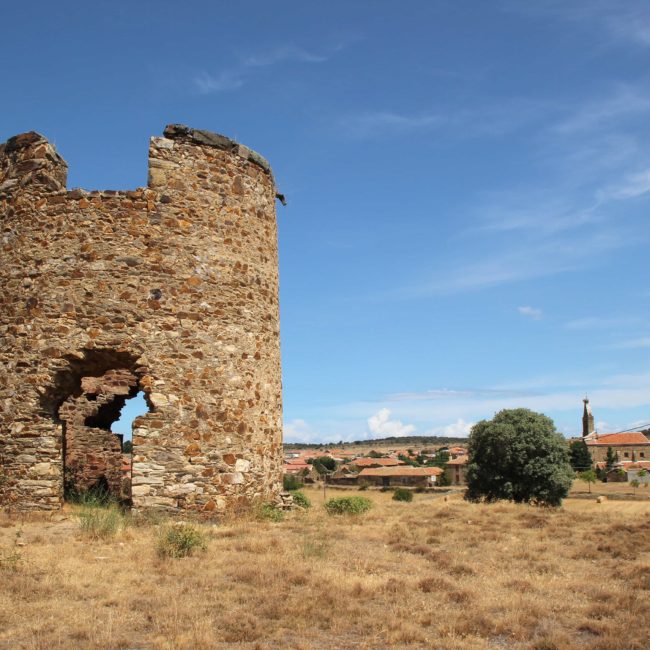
x,y
518,456
580,456
323,464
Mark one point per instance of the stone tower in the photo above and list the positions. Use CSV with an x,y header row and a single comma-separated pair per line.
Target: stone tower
x,y
171,290
587,419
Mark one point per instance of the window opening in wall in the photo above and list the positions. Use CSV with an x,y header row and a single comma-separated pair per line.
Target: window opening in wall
x,y
133,408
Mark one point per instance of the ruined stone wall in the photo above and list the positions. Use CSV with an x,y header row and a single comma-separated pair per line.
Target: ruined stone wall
x,y
175,283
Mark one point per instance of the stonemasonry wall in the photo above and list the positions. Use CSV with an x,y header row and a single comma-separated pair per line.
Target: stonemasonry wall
x,y
176,284
623,452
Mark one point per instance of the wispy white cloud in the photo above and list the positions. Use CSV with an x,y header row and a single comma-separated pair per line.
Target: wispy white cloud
x,y
436,394
528,260
283,54
624,101
487,120
381,425
627,22
633,26
631,344
236,75
600,322
633,186
221,82
542,211
388,122
530,312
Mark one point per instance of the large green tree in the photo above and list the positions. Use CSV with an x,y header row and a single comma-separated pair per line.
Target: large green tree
x,y
518,456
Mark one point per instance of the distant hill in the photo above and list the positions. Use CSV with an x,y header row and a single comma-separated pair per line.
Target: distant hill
x,y
403,441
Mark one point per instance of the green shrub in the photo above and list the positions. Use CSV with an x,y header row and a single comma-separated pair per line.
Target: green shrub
x,y
301,499
100,522
348,506
268,512
180,540
402,494
291,482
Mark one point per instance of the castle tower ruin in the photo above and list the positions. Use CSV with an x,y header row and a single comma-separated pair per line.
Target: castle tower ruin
x,y
171,290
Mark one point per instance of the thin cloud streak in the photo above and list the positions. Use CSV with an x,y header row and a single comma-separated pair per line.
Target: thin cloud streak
x,y
236,76
441,394
371,123
486,121
627,22
528,262
283,54
634,185
632,344
207,83
625,102
598,322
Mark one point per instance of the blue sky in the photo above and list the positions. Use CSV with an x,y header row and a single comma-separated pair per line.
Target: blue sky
x,y
468,185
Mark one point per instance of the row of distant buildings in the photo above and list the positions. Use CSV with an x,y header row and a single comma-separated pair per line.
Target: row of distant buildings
x,y
631,450
389,469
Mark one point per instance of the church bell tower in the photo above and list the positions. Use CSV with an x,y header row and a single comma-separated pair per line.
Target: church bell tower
x,y
587,419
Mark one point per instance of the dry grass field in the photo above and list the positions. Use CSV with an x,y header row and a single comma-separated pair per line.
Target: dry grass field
x,y
431,573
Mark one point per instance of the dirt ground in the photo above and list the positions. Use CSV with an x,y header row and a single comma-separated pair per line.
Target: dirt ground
x,y
433,573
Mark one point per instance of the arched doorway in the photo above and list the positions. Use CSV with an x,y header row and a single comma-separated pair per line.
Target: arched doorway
x,y
86,400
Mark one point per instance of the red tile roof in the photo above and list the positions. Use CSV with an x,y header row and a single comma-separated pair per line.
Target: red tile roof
x,y
295,467
612,439
462,460
382,462
401,471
